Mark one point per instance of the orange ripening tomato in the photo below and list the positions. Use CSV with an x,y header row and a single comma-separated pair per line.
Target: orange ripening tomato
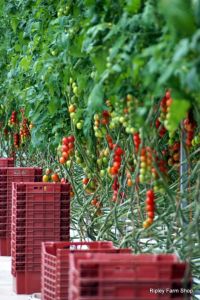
x,y
55,177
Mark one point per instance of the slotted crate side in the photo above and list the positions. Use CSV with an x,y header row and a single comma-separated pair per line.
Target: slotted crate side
x,y
6,162
58,254
52,286
106,269
126,266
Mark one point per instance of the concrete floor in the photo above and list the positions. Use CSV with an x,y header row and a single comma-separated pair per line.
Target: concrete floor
x,y
6,292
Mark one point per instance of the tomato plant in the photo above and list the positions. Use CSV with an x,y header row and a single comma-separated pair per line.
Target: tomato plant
x,y
106,95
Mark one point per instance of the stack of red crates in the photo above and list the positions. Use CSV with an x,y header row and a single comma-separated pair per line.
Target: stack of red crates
x,y
7,176
125,277
55,264
40,212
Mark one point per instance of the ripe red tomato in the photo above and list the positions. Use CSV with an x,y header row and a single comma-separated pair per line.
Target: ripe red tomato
x,y
105,114
114,171
149,208
150,194
117,158
65,148
71,146
119,151
65,155
176,146
157,123
116,164
65,141
109,138
150,214
110,145
71,139
104,121
150,201
143,152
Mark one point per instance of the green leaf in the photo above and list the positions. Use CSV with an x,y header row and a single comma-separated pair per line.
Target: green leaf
x,y
178,112
133,6
95,100
25,63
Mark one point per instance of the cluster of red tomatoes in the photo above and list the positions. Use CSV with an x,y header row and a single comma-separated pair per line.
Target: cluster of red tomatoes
x,y
150,208
174,154
137,141
16,138
67,148
115,188
117,159
189,126
24,130
165,106
161,128
13,119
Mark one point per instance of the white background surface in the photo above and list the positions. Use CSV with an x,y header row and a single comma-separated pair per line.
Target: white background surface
x,y
6,292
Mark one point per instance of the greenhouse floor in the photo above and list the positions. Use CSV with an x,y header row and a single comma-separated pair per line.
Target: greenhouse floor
x,y
6,292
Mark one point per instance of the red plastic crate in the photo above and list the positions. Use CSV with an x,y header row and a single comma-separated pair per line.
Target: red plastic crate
x,y
6,162
7,176
4,246
40,212
28,282
123,276
55,265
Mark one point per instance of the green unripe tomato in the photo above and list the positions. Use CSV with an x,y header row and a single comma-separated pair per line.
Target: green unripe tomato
x,y
91,184
68,163
96,117
143,171
53,52
112,125
79,125
156,188
127,130
79,160
75,90
72,115
105,160
102,173
121,119
132,130
141,178
99,161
